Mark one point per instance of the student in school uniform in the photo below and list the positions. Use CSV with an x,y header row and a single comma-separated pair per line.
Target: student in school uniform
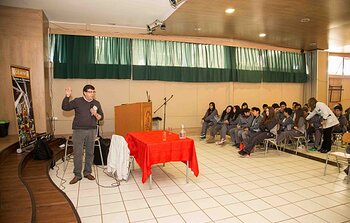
x,y
208,119
283,106
268,128
232,122
341,127
287,122
225,118
329,120
254,128
297,130
264,107
315,127
244,121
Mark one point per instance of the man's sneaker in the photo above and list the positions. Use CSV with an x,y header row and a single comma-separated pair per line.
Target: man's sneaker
x,y
202,136
312,149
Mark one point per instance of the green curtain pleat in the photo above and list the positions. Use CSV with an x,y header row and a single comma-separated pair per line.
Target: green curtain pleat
x,y
88,57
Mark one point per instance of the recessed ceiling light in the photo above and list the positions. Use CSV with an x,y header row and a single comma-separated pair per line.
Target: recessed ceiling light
x,y
304,20
197,29
229,10
313,44
262,35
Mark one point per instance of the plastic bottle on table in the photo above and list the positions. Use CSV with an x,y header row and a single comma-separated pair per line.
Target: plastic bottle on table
x,y
182,134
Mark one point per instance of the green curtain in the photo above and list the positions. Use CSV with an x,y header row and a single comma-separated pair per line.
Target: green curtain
x,y
248,64
89,57
116,58
282,66
183,62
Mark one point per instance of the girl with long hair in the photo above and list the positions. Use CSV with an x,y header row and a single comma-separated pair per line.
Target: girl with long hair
x,y
297,130
208,119
225,119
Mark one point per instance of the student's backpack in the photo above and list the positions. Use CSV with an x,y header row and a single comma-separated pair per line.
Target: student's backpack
x,y
42,151
105,143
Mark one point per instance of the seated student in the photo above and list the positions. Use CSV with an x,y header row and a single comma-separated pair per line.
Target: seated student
x,y
208,119
225,118
268,127
244,106
255,126
243,121
279,115
297,130
347,116
232,123
295,106
264,107
287,122
315,127
341,127
283,106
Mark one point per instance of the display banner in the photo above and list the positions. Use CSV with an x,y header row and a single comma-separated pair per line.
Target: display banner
x,y
23,104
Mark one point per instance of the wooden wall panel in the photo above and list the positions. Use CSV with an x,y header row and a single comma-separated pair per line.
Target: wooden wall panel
x,y
21,43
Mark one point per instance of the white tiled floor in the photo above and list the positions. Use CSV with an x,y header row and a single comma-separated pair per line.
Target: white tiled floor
x,y
278,187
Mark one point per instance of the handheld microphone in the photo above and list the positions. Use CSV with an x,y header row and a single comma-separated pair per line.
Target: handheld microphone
x,y
93,107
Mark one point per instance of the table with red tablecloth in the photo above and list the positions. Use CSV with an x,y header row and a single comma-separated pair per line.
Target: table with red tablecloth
x,y
154,147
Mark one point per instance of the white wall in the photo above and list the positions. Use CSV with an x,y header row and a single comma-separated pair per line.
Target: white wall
x,y
187,106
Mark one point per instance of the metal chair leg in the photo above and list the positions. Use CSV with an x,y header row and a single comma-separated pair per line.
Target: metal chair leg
x,y
325,167
99,147
336,158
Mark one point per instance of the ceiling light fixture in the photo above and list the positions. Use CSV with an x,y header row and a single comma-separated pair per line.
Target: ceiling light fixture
x,y
262,35
197,29
175,3
230,10
305,20
154,25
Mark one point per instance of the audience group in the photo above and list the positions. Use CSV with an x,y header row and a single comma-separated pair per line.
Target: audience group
x,y
248,127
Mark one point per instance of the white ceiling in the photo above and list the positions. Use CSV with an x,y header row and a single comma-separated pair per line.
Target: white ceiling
x,y
123,13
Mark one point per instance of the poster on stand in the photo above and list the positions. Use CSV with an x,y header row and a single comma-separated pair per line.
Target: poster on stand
x,y
23,104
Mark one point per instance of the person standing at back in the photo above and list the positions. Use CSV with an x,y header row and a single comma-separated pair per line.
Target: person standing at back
x,y
87,112
328,121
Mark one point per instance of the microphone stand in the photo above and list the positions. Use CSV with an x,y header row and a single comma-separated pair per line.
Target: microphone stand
x,y
164,104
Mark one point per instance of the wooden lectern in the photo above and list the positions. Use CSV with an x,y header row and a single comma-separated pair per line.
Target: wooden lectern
x,y
135,117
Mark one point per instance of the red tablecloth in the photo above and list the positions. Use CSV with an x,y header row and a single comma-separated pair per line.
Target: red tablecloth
x,y
148,148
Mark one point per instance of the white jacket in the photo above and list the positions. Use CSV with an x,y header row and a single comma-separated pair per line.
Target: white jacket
x,y
326,113
118,158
